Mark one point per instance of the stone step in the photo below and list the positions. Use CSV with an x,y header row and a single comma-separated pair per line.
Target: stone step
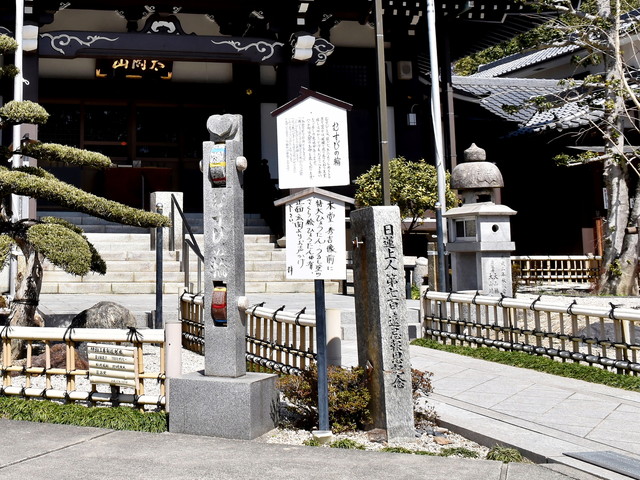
x,y
254,223
265,266
142,255
113,277
110,288
129,266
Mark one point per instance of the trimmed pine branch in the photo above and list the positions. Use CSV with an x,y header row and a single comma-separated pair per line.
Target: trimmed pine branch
x,y
15,113
98,265
61,246
7,44
36,183
52,152
8,71
6,242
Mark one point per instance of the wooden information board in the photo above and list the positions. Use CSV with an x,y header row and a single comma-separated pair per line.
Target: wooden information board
x,y
113,365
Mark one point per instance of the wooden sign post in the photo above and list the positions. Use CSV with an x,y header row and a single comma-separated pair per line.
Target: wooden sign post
x,y
313,152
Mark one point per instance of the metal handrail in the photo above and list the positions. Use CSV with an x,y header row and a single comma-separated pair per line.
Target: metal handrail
x,y
185,224
187,244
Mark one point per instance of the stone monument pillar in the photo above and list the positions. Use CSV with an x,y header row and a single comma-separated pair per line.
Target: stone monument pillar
x,y
479,232
381,318
224,276
223,400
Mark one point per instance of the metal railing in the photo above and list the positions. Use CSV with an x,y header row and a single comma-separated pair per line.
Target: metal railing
x,y
535,269
40,375
188,244
276,339
604,337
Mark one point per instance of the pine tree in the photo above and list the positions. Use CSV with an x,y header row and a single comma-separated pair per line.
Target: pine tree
x,y
596,27
60,242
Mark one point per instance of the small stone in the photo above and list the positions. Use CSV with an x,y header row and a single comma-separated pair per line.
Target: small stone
x,y
441,440
322,436
58,358
377,435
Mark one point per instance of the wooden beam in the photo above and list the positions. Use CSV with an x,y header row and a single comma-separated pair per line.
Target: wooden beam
x,y
74,44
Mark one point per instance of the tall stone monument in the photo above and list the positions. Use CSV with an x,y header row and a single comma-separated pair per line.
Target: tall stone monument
x,y
381,318
479,232
223,400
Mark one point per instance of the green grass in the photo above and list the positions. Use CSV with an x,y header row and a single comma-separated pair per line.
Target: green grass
x,y
115,418
312,442
396,450
458,452
505,455
347,443
540,364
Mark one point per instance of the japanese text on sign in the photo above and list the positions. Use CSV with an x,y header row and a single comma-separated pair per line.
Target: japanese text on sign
x,y
112,365
313,146
315,239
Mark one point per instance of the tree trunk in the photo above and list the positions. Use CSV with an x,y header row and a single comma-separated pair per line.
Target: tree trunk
x,y
620,262
25,304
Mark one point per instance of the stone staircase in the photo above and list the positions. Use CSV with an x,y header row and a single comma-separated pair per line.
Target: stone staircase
x,y
131,264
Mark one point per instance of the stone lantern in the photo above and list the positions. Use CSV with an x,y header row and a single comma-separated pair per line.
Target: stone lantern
x,y
479,232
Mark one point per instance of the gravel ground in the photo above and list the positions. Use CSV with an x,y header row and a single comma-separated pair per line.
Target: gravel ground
x,y
435,440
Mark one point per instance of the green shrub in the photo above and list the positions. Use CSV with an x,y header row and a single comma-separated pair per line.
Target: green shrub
x,y
347,443
348,398
413,187
312,442
115,418
505,454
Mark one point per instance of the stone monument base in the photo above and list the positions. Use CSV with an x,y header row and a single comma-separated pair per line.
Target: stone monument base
x,y
241,408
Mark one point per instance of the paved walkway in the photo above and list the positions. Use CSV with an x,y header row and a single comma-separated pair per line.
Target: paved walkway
x,y
542,415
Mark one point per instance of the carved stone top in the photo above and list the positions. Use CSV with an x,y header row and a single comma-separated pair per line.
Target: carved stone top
x,y
476,173
223,127
475,154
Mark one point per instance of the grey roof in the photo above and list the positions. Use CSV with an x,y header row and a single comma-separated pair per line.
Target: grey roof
x,y
522,60
566,117
519,61
494,93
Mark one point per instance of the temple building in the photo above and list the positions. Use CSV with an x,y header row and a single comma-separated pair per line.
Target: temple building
x,y
137,81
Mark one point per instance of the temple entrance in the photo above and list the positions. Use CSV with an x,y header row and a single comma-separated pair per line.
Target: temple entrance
x,y
154,146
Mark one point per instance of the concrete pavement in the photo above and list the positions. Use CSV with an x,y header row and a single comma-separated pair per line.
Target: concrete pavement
x,y
544,416
32,450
